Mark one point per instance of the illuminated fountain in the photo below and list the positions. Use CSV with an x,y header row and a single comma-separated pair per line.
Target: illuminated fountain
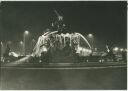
x,y
60,44
45,42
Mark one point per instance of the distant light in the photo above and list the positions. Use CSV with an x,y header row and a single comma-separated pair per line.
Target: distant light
x,y
40,61
116,49
95,49
90,35
21,42
100,61
26,32
121,49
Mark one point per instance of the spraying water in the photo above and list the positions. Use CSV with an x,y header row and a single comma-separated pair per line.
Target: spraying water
x,y
44,40
84,39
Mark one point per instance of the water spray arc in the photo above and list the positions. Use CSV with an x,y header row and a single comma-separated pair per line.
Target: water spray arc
x,y
45,38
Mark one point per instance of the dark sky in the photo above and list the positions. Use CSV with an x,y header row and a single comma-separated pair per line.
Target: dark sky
x,y
106,20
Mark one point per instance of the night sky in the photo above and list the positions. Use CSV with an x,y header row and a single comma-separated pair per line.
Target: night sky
x,y
107,21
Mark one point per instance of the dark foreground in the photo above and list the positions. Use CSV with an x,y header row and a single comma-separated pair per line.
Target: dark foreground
x,y
67,79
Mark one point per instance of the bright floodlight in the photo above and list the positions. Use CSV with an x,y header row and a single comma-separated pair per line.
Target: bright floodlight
x,y
26,32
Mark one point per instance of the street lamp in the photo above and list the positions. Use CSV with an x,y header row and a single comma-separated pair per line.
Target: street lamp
x,y
26,33
91,38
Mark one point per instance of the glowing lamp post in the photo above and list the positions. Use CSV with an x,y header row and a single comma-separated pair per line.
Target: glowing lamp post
x,y
91,37
26,33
